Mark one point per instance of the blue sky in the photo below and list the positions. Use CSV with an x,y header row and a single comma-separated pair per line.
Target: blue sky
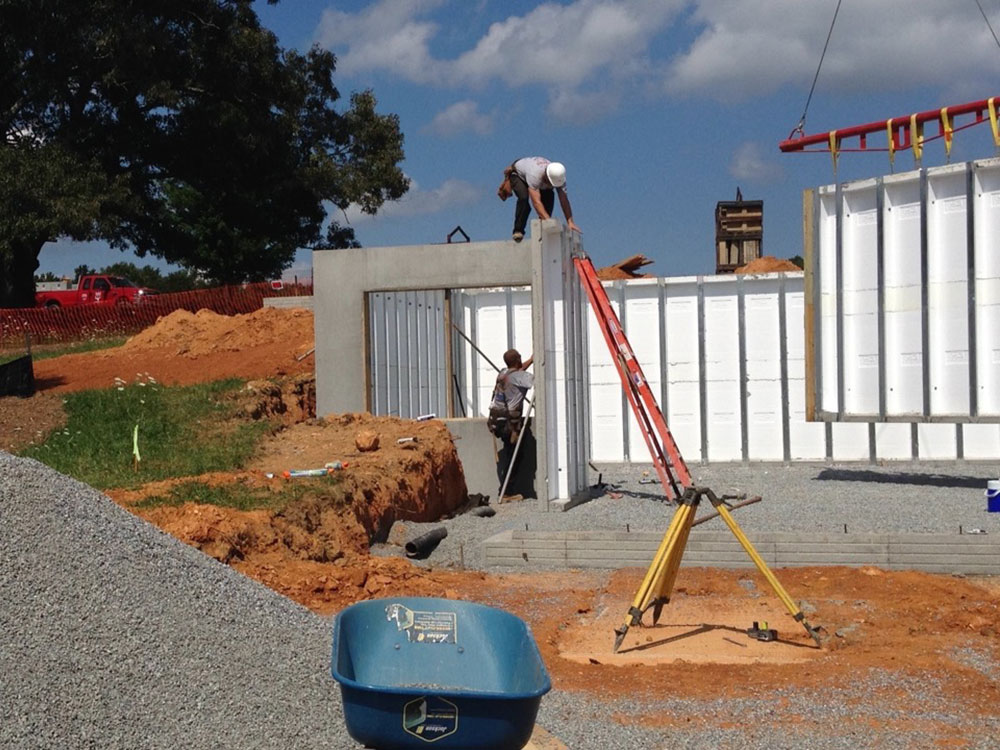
x,y
658,108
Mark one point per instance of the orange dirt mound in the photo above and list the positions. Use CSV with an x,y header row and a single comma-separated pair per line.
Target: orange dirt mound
x,y
328,531
204,332
184,348
768,264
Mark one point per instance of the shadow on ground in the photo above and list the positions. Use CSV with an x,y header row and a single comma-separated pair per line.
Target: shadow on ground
x,y
927,480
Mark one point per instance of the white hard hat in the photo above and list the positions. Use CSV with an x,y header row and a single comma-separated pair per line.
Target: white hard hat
x,y
556,173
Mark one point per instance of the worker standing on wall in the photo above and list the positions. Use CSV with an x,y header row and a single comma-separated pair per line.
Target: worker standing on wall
x,y
536,179
506,409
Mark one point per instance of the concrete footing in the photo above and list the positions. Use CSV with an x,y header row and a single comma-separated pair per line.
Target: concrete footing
x,y
933,553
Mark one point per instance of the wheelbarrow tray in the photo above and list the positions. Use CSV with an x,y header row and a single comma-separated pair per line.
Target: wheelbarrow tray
x,y
419,671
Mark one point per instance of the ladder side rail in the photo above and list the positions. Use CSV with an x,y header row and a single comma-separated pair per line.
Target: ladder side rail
x,y
618,343
660,461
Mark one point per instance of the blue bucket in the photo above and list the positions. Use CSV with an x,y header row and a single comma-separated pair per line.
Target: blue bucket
x,y
419,670
993,496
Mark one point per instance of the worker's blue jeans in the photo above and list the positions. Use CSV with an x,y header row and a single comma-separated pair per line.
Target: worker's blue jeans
x,y
523,208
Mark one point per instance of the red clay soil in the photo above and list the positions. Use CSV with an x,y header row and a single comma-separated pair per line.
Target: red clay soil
x,y
768,264
184,348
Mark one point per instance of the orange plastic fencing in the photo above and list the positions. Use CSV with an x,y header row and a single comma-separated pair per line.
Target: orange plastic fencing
x,y
85,322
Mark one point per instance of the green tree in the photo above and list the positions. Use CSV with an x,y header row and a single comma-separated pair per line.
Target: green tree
x,y
179,129
47,276
83,270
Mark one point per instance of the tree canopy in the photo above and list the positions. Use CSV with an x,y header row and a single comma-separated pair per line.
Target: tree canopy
x,y
180,129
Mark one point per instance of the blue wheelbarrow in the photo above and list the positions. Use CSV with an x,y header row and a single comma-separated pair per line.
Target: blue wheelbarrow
x,y
416,671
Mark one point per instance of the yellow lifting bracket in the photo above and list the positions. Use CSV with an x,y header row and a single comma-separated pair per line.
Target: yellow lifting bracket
x,y
658,582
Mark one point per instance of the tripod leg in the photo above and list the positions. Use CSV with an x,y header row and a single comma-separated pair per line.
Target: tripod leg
x,y
661,560
790,605
665,585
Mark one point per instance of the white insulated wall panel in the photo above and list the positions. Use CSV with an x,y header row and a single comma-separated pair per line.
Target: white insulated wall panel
x,y
722,371
859,300
903,301
986,208
642,326
981,441
606,432
677,302
683,412
948,293
893,442
907,297
764,408
807,440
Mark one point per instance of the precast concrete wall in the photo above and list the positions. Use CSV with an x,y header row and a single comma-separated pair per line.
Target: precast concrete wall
x,y
386,341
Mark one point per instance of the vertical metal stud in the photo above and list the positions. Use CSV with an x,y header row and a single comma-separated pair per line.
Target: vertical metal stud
x,y
509,294
742,348
662,320
925,337
880,292
817,306
786,438
626,408
702,375
872,443
839,316
474,335
914,441
970,275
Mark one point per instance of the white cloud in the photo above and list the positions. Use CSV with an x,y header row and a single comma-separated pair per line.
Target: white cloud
x,y
559,46
749,163
418,202
461,117
748,49
732,49
569,105
384,36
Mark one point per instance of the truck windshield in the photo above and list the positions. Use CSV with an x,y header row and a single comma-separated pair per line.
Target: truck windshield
x,y
120,282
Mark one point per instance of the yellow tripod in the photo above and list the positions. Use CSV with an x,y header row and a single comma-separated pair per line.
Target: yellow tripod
x,y
659,580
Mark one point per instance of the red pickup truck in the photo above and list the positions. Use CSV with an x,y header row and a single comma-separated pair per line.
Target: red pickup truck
x,y
98,289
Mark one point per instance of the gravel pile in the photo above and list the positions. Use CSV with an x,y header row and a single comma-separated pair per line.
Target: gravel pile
x,y
115,635
920,498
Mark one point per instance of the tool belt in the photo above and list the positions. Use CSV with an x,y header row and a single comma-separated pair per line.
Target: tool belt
x,y
502,423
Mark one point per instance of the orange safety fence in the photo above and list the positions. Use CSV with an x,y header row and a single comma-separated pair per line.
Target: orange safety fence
x,y
97,321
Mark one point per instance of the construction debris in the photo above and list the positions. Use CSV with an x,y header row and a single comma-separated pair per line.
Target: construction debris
x,y
625,269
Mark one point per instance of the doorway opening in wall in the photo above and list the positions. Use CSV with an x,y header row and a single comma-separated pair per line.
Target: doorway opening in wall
x,y
438,351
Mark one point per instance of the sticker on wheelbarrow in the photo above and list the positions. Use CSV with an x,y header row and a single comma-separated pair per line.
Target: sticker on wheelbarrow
x,y
430,718
423,627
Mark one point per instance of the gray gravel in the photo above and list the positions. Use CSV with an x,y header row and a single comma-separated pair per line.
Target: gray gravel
x,y
937,497
115,635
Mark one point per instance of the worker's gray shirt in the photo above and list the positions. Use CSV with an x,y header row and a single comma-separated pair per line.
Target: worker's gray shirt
x,y
532,170
512,385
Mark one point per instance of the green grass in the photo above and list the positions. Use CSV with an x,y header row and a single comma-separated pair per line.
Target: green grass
x,y
240,496
49,351
183,431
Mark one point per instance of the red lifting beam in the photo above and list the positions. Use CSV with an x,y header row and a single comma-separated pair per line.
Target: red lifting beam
x,y
902,132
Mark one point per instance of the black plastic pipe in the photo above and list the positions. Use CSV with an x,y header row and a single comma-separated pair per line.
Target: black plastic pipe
x,y
424,544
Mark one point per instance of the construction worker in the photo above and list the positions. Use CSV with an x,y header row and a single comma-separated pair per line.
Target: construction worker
x,y
506,409
535,178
